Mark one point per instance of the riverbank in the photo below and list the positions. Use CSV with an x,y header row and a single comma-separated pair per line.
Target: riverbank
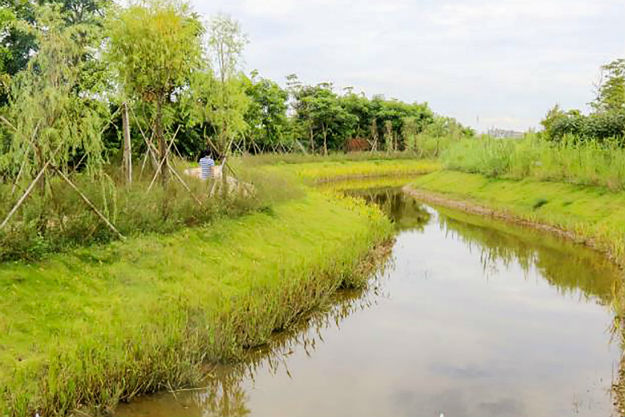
x,y
590,215
103,324
593,216
335,170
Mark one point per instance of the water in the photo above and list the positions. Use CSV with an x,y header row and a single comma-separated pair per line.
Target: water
x,y
471,318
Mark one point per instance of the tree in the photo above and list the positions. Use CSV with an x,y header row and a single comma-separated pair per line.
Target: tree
x,y
218,106
155,46
266,115
409,133
51,116
226,41
328,121
611,87
19,44
229,103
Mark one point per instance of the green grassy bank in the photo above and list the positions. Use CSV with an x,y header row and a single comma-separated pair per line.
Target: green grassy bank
x,y
102,324
336,170
592,215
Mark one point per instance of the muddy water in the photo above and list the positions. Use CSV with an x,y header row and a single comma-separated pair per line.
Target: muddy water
x,y
470,318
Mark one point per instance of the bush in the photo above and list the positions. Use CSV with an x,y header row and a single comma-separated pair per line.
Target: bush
x,y
596,126
60,219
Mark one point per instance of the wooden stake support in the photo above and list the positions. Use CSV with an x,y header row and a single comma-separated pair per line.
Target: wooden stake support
x,y
127,161
24,196
90,204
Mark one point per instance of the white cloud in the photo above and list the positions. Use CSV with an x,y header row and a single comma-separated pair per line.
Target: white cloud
x,y
507,61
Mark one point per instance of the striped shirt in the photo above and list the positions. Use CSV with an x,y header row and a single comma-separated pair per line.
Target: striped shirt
x,y
206,164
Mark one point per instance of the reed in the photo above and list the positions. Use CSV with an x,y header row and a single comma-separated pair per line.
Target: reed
x,y
588,162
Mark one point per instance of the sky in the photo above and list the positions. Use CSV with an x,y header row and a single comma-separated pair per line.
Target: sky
x,y
488,63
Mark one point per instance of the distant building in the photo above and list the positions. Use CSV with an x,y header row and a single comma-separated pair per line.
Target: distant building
x,y
505,134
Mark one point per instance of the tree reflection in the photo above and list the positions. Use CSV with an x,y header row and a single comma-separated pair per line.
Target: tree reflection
x,y
571,268
405,212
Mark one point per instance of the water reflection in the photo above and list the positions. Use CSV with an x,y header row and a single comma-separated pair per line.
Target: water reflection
x,y
225,390
568,267
474,318
405,212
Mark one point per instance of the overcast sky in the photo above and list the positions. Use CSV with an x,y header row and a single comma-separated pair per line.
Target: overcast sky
x,y
502,62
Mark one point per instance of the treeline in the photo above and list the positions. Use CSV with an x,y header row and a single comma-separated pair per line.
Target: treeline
x,y
96,99
71,69
606,122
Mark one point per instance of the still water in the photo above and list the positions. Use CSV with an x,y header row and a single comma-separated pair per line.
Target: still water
x,y
470,318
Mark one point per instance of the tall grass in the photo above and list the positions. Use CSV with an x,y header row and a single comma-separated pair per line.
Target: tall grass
x,y
301,158
570,160
333,171
59,219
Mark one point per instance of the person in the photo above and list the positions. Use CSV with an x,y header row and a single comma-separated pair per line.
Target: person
x,y
206,165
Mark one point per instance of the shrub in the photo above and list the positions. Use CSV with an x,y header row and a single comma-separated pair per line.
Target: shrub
x,y
59,219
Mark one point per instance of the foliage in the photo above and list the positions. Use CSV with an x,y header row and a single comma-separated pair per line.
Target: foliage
x,y
266,115
606,122
217,108
155,47
19,44
327,120
226,42
52,116
611,88
148,315
596,126
229,102
593,162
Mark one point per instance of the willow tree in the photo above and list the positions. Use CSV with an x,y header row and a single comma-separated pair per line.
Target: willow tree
x,y
227,98
52,118
154,47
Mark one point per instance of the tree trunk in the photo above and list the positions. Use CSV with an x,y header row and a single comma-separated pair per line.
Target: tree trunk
x,y
160,139
312,140
127,162
325,141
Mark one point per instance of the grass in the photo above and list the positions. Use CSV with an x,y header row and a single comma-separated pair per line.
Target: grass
x,y
102,324
593,214
337,170
570,160
302,158
59,220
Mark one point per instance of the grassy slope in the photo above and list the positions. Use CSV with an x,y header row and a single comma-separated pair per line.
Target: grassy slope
x,y
102,323
590,212
333,170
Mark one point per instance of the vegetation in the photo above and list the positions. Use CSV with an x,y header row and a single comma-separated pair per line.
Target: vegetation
x,y
607,121
89,83
571,161
593,215
325,171
133,211
154,51
158,330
